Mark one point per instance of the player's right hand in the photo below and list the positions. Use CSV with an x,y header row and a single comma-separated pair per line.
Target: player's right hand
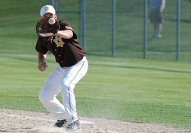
x,y
42,66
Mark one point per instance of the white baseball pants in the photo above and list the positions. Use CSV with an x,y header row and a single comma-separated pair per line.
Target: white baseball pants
x,y
63,80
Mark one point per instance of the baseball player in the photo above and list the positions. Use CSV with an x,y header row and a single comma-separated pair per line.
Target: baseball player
x,y
73,66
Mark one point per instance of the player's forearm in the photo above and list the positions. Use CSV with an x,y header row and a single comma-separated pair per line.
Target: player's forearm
x,y
41,57
66,34
41,62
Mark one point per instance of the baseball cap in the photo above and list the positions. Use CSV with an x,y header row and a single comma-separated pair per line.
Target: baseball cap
x,y
47,9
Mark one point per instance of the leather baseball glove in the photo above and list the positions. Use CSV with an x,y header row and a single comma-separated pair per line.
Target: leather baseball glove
x,y
47,26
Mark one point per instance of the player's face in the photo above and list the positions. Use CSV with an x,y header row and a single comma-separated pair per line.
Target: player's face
x,y
49,15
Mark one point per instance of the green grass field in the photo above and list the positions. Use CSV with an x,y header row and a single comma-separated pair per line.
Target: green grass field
x,y
115,88
129,89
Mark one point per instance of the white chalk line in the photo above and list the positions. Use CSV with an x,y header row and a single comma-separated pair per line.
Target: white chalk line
x,y
82,122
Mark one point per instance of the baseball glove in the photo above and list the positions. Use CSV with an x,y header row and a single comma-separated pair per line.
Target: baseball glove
x,y
47,26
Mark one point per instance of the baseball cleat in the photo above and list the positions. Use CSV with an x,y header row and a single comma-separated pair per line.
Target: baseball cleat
x,y
60,123
74,125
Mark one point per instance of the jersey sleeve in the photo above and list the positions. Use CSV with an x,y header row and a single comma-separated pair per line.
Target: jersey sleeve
x,y
66,26
41,46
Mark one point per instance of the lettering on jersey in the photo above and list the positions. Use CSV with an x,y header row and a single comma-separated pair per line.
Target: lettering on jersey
x,y
59,42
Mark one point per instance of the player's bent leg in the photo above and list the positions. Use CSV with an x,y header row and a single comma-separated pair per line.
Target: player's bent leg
x,y
49,93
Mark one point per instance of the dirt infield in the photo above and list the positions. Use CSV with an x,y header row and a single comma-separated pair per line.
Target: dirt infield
x,y
34,122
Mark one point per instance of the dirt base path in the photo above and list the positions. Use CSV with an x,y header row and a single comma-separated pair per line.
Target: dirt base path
x,y
34,122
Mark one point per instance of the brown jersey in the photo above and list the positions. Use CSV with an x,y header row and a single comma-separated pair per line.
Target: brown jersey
x,y
67,52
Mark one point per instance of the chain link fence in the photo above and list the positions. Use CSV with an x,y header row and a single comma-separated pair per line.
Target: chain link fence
x,y
122,28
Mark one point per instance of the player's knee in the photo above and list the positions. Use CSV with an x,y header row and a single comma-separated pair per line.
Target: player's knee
x,y
43,99
65,84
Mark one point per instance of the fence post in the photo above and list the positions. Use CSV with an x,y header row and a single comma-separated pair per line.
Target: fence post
x,y
57,4
145,28
83,24
178,30
52,2
113,27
